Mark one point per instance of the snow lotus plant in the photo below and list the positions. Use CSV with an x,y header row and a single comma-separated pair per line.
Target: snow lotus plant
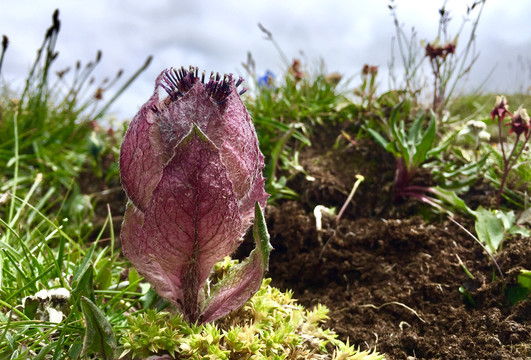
x,y
191,167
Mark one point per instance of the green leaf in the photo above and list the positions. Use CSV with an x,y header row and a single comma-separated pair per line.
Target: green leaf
x,y
277,151
507,218
104,276
518,230
99,336
43,352
521,291
133,276
450,197
378,138
30,307
83,284
84,265
414,133
516,293
261,236
75,350
426,143
524,279
489,229
398,135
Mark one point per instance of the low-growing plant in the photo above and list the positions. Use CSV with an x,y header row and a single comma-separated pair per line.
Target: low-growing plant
x,y
412,147
494,226
191,166
44,276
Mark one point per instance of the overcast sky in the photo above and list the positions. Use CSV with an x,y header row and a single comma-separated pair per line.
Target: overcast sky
x,y
216,35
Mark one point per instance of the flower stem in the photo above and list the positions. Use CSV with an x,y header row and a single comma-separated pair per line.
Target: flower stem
x,y
508,164
359,180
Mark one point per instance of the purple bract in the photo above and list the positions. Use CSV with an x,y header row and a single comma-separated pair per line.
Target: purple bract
x,y
191,166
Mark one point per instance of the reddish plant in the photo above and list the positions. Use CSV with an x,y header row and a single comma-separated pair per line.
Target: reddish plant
x,y
192,169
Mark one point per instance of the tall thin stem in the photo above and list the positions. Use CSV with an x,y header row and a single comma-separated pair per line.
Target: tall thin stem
x,y
508,164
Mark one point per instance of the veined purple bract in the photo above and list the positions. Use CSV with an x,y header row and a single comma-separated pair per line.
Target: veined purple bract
x,y
191,166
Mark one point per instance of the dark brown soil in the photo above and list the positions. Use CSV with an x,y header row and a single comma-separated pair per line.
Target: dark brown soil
x,y
391,279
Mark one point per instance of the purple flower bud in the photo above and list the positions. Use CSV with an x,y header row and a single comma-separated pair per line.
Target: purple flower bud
x,y
501,109
520,121
191,166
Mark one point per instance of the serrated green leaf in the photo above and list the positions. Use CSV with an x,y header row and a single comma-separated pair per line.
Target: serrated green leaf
x,y
99,336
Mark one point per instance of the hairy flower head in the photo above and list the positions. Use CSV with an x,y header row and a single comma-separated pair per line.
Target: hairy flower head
x,y
191,167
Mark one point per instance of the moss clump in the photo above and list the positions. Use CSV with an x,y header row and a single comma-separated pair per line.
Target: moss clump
x,y
271,325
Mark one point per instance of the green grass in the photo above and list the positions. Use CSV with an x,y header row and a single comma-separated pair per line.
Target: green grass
x,y
47,138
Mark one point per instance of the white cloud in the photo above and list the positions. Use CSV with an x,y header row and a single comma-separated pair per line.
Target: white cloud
x,y
217,35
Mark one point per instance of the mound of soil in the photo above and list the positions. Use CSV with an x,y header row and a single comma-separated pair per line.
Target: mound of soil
x,y
390,279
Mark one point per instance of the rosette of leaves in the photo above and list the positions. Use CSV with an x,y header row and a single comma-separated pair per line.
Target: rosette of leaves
x,y
191,167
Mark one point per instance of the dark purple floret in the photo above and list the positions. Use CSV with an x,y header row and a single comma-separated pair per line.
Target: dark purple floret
x,y
219,89
177,82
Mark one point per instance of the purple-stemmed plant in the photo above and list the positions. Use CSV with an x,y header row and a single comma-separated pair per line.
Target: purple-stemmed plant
x,y
191,167
520,126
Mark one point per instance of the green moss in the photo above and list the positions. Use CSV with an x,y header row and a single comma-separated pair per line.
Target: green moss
x,y
270,325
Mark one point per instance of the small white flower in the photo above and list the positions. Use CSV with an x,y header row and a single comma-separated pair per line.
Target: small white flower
x,y
477,130
476,124
46,295
59,293
54,315
484,136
